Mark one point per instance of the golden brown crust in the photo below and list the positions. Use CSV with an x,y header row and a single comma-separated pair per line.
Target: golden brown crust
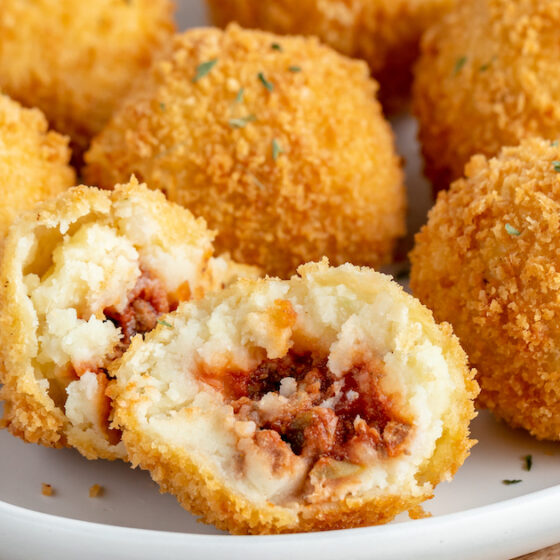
x,y
487,77
33,161
200,493
75,60
335,189
384,33
499,288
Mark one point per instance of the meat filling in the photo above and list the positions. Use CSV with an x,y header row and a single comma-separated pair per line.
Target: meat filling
x,y
146,302
317,413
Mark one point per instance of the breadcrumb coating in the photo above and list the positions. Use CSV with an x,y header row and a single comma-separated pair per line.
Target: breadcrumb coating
x,y
284,152
76,60
488,77
80,275
33,161
202,401
488,261
384,33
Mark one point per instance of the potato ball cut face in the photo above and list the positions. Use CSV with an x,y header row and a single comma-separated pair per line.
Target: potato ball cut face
x,y
327,401
385,33
33,161
487,77
83,274
487,262
76,60
284,151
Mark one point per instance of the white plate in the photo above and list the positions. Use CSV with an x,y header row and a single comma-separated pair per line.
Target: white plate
x,y
475,516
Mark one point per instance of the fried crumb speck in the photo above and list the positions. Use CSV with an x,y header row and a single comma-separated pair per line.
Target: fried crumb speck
x,y
96,491
46,489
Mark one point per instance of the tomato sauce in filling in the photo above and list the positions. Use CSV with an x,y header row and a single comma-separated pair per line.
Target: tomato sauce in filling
x,y
146,302
325,415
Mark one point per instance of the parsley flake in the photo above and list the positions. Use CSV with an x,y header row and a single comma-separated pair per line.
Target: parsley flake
x,y
203,69
276,47
276,149
512,231
459,65
257,182
164,323
162,106
554,143
556,165
294,69
265,82
241,122
528,459
509,482
239,96
487,65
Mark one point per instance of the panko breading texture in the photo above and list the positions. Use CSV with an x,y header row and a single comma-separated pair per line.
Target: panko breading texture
x,y
488,262
488,77
213,441
284,152
68,268
76,60
33,161
385,33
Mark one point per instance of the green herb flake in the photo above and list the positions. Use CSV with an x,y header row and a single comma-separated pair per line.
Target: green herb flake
x,y
487,65
555,143
294,69
265,82
528,462
509,482
276,149
512,231
242,122
162,106
164,323
239,96
276,47
203,69
556,165
459,65
257,182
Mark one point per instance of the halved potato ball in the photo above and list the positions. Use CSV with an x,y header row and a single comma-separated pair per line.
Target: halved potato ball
x,y
80,276
277,142
75,60
326,401
34,162
488,261
385,33
488,77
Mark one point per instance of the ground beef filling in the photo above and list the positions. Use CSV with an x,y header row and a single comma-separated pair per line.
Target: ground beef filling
x,y
146,302
317,413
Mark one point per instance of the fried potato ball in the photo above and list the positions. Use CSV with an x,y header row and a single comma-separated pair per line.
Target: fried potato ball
x,y
80,275
488,261
277,142
75,60
385,33
33,161
488,77
326,401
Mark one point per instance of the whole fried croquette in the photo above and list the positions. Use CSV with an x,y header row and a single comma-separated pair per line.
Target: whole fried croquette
x,y
488,261
326,401
34,162
80,275
488,77
284,151
385,33
76,60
